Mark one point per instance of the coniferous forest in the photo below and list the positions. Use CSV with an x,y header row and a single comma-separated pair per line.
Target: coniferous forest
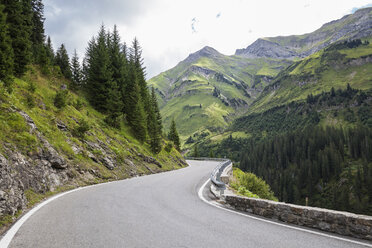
x,y
330,166
112,75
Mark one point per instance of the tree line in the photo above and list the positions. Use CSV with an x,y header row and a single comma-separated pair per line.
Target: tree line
x,y
330,166
22,38
112,75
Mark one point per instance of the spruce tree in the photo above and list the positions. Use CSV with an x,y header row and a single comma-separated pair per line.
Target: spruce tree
x,y
118,60
63,61
98,73
173,135
136,51
76,71
49,51
154,103
19,23
37,34
153,124
196,151
114,105
6,52
134,109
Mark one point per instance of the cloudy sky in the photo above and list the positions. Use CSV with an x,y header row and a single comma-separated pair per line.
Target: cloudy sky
x,y
169,30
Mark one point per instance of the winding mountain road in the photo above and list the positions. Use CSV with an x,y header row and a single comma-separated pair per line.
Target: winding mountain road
x,y
161,210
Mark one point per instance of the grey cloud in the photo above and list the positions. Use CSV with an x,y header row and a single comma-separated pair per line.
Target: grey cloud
x,y
74,22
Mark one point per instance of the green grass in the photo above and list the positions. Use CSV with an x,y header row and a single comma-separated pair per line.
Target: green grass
x,y
15,133
183,89
317,73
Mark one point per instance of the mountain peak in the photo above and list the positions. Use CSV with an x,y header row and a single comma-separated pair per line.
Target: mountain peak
x,y
265,48
206,51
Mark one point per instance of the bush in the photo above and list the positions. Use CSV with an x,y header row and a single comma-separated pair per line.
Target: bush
x,y
30,101
80,130
168,147
31,87
60,100
78,104
250,185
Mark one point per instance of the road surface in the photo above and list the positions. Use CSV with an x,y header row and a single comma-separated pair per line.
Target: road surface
x,y
161,210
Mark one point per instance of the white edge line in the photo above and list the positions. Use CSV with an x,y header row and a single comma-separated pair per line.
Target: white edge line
x,y
5,241
200,194
9,235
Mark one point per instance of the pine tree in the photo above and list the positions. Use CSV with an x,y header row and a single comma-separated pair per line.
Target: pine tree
x,y
19,23
138,119
136,51
63,61
134,109
76,71
173,135
118,60
114,105
98,73
49,50
154,103
37,34
154,124
6,52
196,151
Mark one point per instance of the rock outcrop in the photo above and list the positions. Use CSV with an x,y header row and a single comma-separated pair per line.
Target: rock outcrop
x,y
355,26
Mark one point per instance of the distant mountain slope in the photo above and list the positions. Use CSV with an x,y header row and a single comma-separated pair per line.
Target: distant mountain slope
x,y
332,87
354,26
336,66
208,89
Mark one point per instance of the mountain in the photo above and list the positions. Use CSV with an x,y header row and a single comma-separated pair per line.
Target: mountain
x,y
349,27
333,67
207,90
45,149
310,130
332,87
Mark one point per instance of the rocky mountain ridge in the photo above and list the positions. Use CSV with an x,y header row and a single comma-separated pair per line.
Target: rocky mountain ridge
x,y
349,27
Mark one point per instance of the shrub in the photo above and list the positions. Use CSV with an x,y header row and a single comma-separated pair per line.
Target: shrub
x,y
30,102
31,87
168,147
60,100
250,185
80,130
78,104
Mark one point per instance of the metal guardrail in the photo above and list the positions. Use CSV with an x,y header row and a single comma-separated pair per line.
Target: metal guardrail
x,y
216,173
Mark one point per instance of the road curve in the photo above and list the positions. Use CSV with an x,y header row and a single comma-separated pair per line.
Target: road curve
x,y
161,210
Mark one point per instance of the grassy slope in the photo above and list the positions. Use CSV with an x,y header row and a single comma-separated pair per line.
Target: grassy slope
x,y
182,90
316,73
273,111
15,133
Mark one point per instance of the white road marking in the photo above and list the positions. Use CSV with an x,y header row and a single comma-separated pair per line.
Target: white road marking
x,y
200,194
5,241
7,238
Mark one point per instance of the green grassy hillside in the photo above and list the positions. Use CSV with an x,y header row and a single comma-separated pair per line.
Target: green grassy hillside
x,y
312,91
207,90
35,136
335,66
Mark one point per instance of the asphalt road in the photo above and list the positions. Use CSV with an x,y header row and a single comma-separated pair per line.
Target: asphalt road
x,y
161,210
